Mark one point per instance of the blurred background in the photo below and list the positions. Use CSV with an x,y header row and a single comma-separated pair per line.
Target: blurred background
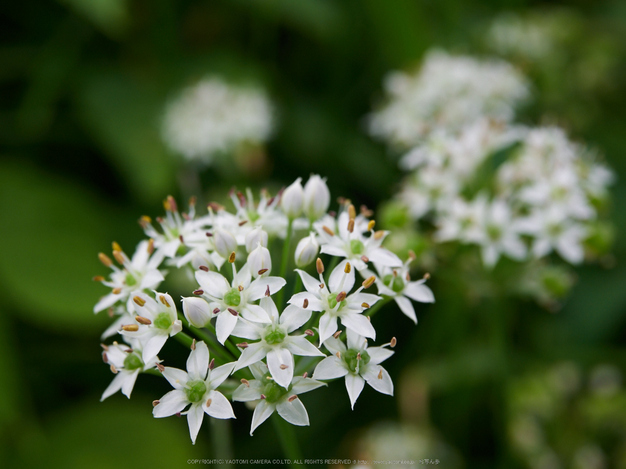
x,y
84,86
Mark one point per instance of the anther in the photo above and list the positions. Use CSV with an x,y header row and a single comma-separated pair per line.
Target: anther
x,y
198,292
393,342
337,334
171,202
117,291
193,344
105,347
368,282
155,403
426,276
320,266
270,378
106,260
144,221
351,212
209,402
113,369
180,237
119,257
267,291
379,234
412,255
366,212
283,367
164,300
240,288
142,320
262,271
203,268
160,367
309,332
150,246
192,200
263,396
212,364
328,230
380,374
105,359
365,259
338,353
129,350
305,303
98,278
241,223
351,225
233,312
111,312
358,356
232,257
371,225
208,234
321,285
305,374
216,310
347,268
116,246
365,305
242,345
215,206
341,296
292,398
130,328
245,382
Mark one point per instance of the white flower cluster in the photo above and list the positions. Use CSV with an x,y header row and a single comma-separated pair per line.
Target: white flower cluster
x,y
237,308
542,198
445,94
214,117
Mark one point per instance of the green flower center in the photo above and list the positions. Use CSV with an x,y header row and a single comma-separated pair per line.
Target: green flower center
x,y
162,321
195,390
357,246
232,297
332,301
350,358
272,391
130,280
395,282
133,362
274,335
494,232
253,215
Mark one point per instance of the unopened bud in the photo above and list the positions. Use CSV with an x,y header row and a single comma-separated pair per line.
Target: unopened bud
x,y
197,311
292,199
225,242
316,197
259,259
306,251
254,237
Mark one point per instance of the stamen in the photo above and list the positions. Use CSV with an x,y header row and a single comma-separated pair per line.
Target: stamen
x,y
426,276
155,403
117,291
341,296
267,291
193,344
144,221
328,230
347,268
393,342
305,303
320,266
351,225
292,398
242,345
365,305
198,292
119,257
209,402
212,364
305,374
358,356
263,396
231,258
309,332
245,382
262,271
283,367
208,234
150,246
233,312
130,328
106,260
171,202
337,334
113,369
192,200
216,310
380,374
105,347
180,237
338,354
365,259
240,288
412,255
203,268
98,278
379,234
160,367
164,300
111,312
105,359
116,246
368,282
351,212
371,225
241,223
142,320
140,301
215,206
366,212
321,285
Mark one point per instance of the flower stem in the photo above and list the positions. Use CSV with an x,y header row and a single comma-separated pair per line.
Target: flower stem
x,y
287,438
284,261
221,439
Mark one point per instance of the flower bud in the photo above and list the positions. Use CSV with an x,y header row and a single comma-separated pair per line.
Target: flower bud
x,y
225,242
306,251
316,197
254,237
292,199
197,311
259,259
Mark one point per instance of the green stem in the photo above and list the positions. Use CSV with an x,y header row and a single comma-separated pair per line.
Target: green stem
x,y
287,438
184,339
284,261
222,441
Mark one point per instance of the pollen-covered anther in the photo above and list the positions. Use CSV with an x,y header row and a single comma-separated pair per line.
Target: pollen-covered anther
x,y
337,334
208,234
408,277
319,265
155,402
292,398
150,246
181,239
98,278
111,312
142,320
309,332
232,257
209,402
113,369
105,347
216,310
106,260
242,345
119,257
305,374
371,225
203,268
365,259
365,305
116,246
262,271
170,204
233,312
105,358
160,367
215,206
380,374
164,300
140,301
193,344
321,285
117,290
270,378
241,223
129,350
240,288
267,291
393,342
198,292
379,234
426,276
351,225
263,396
245,382
338,353
341,296
144,221
366,212
358,356
412,255
347,268
284,367
368,282
130,327
351,212
212,364
328,230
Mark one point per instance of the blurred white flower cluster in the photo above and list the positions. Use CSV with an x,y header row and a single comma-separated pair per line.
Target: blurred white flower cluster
x,y
236,311
479,179
214,117
446,94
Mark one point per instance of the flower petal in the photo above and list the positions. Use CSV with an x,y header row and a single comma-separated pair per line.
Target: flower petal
x,y
359,324
330,368
314,303
339,280
261,413
177,378
129,382
247,330
213,284
419,292
194,419
115,385
254,353
219,374
383,256
293,317
170,404
406,307
252,392
224,326
310,283
198,362
298,345
280,363
383,384
301,385
354,385
293,412
220,408
328,326
258,288
153,346
379,354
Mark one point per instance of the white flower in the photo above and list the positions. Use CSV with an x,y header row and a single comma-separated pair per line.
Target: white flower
x,y
126,362
335,302
292,199
225,242
353,245
260,261
228,301
357,363
316,197
255,237
197,311
197,387
275,342
157,320
214,117
266,213
275,398
396,283
139,273
306,250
